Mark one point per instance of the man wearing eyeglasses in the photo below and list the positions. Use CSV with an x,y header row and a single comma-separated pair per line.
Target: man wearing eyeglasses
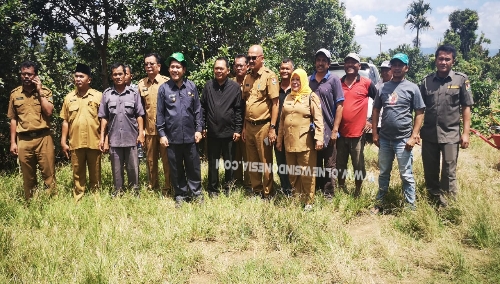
x,y
148,89
30,109
261,93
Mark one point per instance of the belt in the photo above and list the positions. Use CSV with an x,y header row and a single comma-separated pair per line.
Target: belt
x,y
34,133
259,122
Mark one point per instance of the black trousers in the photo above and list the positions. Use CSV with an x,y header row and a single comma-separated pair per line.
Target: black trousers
x,y
216,147
185,170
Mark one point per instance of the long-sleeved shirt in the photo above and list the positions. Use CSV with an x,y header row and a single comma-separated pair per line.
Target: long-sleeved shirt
x,y
179,114
222,108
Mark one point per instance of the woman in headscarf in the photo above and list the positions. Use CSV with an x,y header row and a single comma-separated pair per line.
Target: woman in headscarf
x,y
301,129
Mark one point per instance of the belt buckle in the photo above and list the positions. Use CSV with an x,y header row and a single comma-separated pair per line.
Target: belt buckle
x,y
254,122
32,134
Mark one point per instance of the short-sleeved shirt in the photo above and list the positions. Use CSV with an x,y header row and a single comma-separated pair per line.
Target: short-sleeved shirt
x,y
443,99
398,99
121,111
149,93
329,91
179,115
25,107
81,114
356,106
259,89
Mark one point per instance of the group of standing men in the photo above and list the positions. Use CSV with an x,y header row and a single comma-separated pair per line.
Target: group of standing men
x,y
239,119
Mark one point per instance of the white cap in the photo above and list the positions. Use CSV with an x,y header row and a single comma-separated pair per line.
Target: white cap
x,y
325,52
353,56
385,64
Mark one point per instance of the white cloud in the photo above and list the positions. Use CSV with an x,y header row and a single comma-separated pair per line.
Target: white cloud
x,y
489,23
446,9
377,5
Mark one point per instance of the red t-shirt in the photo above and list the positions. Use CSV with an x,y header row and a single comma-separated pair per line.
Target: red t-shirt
x,y
356,106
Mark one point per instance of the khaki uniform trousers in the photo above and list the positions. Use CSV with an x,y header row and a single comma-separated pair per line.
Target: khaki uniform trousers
x,y
153,151
32,151
240,154
303,186
257,151
80,160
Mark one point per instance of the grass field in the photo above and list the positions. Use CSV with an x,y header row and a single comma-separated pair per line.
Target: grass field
x,y
238,239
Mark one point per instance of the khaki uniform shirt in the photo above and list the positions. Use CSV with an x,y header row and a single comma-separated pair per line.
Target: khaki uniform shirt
x,y
295,122
258,91
443,100
26,109
149,94
81,114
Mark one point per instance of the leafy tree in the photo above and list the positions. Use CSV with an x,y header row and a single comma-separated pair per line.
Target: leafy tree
x,y
90,21
415,17
464,24
380,30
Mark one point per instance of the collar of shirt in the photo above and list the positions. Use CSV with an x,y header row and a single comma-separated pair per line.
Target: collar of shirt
x,y
358,78
219,87
155,80
259,73
125,91
173,85
313,76
445,79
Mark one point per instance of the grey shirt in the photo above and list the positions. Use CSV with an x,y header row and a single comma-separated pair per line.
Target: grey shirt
x,y
398,99
121,111
444,98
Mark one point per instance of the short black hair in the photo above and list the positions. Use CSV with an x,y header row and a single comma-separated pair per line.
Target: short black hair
x,y
287,60
156,56
241,56
127,66
447,48
117,65
222,58
29,64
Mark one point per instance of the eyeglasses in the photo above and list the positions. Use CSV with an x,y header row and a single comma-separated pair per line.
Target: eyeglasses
x,y
239,65
249,58
149,64
27,74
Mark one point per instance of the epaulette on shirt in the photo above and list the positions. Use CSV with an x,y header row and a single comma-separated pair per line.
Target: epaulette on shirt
x,y
165,77
461,74
16,89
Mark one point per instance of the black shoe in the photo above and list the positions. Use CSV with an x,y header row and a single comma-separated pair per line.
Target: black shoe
x,y
213,194
117,193
199,199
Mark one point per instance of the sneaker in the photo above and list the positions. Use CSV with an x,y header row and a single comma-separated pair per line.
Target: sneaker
x,y
213,194
308,207
179,202
329,197
117,193
411,207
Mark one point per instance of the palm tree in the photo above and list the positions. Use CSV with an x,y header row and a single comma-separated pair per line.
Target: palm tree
x,y
381,30
415,17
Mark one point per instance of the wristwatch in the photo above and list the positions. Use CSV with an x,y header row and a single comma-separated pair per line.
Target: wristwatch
x,y
273,126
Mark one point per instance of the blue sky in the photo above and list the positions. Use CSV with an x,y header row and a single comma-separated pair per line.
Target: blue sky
x,y
366,14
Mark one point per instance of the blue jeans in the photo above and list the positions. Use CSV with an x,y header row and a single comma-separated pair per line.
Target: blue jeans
x,y
388,149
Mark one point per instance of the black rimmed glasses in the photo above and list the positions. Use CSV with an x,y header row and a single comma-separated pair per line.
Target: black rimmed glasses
x,y
250,58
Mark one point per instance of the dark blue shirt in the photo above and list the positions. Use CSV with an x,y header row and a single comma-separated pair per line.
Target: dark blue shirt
x,y
282,97
179,113
330,93
121,111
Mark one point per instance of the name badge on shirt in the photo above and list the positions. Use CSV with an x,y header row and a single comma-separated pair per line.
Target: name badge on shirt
x,y
453,87
172,97
190,94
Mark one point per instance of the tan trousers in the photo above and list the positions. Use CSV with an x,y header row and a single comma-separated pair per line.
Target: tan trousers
x,y
153,151
257,151
37,151
303,186
240,154
80,160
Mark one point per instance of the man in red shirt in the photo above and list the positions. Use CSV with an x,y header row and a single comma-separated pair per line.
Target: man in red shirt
x,y
351,142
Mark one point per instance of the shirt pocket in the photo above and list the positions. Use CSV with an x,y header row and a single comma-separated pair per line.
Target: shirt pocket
x,y
129,108
452,97
93,108
262,90
73,111
430,98
112,107
20,106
